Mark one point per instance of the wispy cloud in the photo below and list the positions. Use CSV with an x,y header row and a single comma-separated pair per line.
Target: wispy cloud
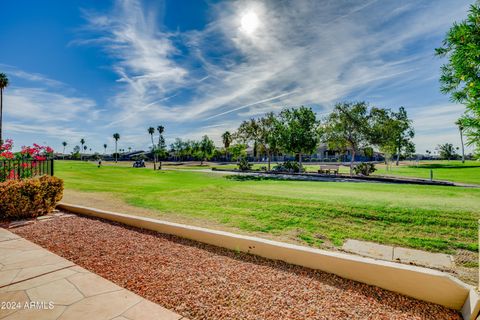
x,y
209,79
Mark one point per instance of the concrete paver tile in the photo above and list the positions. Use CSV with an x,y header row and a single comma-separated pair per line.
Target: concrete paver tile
x,y
38,281
37,314
147,310
7,276
14,297
61,292
430,259
91,284
104,306
369,249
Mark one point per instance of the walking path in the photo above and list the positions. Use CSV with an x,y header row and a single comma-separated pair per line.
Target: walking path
x,y
37,284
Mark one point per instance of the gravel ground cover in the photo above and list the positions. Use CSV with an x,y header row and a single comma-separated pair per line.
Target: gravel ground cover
x,y
205,282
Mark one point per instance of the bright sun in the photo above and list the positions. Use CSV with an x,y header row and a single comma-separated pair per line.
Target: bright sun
x,y
249,22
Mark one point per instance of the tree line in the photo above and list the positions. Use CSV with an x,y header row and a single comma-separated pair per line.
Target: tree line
x,y
351,126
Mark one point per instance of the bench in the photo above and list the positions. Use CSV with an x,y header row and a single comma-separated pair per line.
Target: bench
x,y
328,169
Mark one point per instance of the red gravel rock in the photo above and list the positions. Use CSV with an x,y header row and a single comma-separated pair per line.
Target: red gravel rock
x,y
205,282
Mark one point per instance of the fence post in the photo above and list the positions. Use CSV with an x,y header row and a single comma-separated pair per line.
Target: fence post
x,y
51,167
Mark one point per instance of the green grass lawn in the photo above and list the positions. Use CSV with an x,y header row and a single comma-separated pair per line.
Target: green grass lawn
x,y
426,217
469,172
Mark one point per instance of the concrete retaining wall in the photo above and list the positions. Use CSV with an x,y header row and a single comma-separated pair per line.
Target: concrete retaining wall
x,y
420,283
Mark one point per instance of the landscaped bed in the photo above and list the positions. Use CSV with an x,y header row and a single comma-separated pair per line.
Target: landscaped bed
x,y
205,282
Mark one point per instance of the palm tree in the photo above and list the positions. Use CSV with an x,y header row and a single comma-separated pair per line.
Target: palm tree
x,y
64,144
151,131
116,136
227,140
82,142
161,145
160,130
460,128
104,148
3,85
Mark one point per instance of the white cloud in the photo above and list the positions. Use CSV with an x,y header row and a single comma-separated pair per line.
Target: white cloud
x,y
435,124
303,52
43,106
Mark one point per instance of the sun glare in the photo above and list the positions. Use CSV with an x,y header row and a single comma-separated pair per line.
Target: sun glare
x,y
249,22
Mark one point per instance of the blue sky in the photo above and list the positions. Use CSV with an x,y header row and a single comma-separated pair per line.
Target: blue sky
x,y
88,69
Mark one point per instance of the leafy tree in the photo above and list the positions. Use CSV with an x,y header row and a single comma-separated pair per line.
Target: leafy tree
x,y
403,133
470,126
116,137
460,75
76,153
447,151
238,151
205,149
298,131
3,85
64,144
177,148
161,150
227,140
151,132
348,128
264,132
392,132
249,132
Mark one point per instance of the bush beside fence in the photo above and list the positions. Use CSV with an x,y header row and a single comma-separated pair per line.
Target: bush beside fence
x,y
29,198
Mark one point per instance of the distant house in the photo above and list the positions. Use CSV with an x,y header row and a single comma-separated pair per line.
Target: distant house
x,y
323,154
129,156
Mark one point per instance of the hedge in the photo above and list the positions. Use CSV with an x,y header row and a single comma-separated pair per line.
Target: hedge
x,y
29,198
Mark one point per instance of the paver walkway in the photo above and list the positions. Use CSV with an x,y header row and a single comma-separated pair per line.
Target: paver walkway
x,y
37,284
405,255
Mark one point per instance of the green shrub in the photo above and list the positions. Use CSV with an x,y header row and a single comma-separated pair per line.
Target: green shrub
x,y
364,168
244,165
289,166
29,198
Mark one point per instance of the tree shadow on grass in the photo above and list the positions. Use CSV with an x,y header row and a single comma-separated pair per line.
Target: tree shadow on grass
x,y
237,177
444,166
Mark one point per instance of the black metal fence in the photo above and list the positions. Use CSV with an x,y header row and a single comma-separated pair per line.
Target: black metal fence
x,y
23,169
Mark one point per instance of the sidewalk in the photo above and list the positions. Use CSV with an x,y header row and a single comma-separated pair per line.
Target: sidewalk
x,y
37,284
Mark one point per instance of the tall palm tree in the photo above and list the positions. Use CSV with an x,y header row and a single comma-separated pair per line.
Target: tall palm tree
x,y
3,85
151,132
161,145
116,136
460,128
64,144
82,142
104,148
227,140
160,130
